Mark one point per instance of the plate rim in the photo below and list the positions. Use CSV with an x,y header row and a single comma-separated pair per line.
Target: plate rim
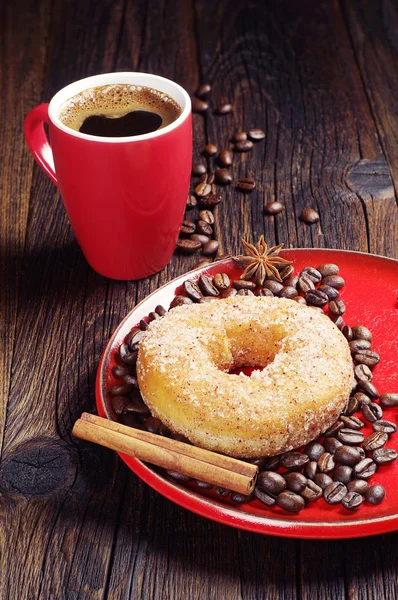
x,y
216,511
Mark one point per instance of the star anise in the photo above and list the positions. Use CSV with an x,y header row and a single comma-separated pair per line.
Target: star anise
x,y
261,262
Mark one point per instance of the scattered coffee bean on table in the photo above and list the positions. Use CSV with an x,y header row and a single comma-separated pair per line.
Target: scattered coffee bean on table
x,y
199,106
273,208
246,184
223,176
203,90
256,135
191,202
309,215
188,246
198,169
210,150
244,146
225,158
239,136
223,109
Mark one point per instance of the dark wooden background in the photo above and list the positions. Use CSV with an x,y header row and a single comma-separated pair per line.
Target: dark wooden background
x,y
321,78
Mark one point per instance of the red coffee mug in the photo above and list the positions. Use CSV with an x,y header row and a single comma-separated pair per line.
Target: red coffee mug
x,y
125,196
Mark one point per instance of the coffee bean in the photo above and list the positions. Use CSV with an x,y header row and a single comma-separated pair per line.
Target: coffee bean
x,y
389,400
229,293
192,290
246,184
352,422
342,473
223,109
331,444
293,461
225,158
223,176
362,372
337,307
376,440
256,134
265,293
367,357
274,286
155,425
335,492
328,269
188,246
323,480
372,412
359,345
204,228
245,146
131,420
210,150
288,292
271,482
199,106
177,476
360,332
326,463
179,301
330,292
384,456
210,201
350,437
312,491
358,485
300,300
347,455
352,501
240,136
264,497
311,469
202,189
220,491
291,281
198,169
211,247
333,429
309,215
334,281
314,450
134,337
369,390
127,356
365,468
119,371
271,463
241,284
137,408
316,298
384,426
295,482
347,331
207,178
207,287
131,380
290,502
375,494
273,208
312,273
203,90
352,407
191,202
221,281
200,237
187,227
362,398
305,283
338,321
241,498
245,293
119,403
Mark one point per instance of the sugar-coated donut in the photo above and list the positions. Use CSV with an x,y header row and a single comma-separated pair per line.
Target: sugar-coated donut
x,y
183,372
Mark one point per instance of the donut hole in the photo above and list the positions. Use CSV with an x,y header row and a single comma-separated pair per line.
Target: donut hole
x,y
253,346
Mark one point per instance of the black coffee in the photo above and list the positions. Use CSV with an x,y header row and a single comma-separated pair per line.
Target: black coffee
x,y
119,110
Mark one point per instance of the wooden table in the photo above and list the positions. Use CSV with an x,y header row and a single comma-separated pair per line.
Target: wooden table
x,y
321,79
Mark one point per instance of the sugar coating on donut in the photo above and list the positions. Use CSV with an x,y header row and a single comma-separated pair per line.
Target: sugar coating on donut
x,y
302,383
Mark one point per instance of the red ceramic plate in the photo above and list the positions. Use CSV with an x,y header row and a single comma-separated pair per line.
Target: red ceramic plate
x,y
370,295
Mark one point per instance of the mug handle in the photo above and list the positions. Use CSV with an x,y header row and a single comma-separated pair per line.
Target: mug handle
x,y
37,140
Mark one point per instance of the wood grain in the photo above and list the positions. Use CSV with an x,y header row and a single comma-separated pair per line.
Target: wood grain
x,y
319,79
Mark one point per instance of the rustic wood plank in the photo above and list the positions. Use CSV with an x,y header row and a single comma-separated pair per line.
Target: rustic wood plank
x,y
23,55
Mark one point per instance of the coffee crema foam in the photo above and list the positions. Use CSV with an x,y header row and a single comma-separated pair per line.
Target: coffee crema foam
x,y
116,100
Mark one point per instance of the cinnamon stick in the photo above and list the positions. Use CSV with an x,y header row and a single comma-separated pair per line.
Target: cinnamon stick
x,y
217,469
